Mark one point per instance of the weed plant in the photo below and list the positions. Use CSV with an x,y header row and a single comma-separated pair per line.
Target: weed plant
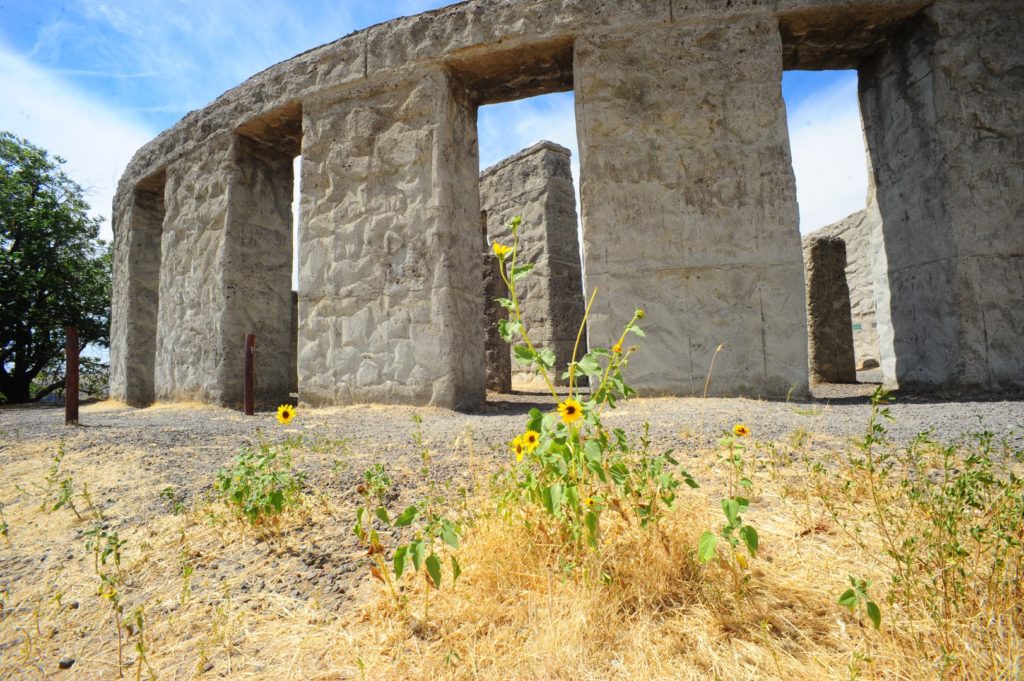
x,y
261,482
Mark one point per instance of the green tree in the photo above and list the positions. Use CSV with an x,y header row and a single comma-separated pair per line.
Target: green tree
x,y
54,271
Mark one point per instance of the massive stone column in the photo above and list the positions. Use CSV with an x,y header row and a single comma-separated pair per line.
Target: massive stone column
x,y
537,184
190,347
390,280
257,269
496,350
941,107
689,206
139,226
829,325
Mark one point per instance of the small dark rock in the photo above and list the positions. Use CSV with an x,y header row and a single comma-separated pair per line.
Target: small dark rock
x,y
66,662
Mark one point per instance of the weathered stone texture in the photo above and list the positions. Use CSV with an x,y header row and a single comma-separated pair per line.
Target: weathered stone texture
x,y
688,200
537,184
497,355
829,329
190,351
857,231
257,270
689,206
942,107
390,304
136,293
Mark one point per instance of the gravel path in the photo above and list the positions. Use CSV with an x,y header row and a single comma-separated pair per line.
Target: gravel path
x,y
190,443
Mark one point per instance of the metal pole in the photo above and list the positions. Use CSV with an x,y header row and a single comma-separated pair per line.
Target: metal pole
x,y
71,376
249,391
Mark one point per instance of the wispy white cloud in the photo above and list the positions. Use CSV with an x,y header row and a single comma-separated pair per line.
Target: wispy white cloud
x,y
96,140
827,143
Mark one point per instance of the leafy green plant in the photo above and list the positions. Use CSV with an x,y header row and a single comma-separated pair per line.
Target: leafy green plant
x,y
139,630
735,530
432,529
572,468
949,519
104,545
174,501
260,483
856,598
5,529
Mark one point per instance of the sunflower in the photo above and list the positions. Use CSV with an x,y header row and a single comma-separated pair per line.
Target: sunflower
x,y
285,414
740,430
518,447
500,249
571,410
617,348
530,440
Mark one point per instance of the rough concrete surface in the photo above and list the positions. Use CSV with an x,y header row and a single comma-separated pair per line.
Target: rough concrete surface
x,y
688,201
829,327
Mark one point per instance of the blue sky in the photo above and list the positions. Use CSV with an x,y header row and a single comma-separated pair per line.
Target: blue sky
x,y
93,80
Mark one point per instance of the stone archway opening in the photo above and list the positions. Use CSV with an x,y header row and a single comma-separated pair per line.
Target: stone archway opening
x,y
829,163
525,131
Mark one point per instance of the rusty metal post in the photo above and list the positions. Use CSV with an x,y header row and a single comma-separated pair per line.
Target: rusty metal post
x,y
249,391
71,376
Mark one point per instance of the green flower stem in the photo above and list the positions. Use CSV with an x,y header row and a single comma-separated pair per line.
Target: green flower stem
x,y
576,346
510,282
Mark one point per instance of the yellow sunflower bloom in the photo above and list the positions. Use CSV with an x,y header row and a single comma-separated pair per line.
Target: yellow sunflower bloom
x,y
501,250
740,430
518,447
617,348
530,440
570,410
285,414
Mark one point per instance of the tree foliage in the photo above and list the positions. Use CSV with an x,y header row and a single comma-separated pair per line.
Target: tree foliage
x,y
54,270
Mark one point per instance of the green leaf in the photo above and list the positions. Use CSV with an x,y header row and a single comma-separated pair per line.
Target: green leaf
x,y
456,570
589,364
592,450
382,513
591,522
706,546
506,303
636,329
399,560
520,271
546,358
553,499
848,599
535,420
874,614
523,354
688,479
434,570
749,535
731,509
358,527
449,535
418,550
406,517
508,329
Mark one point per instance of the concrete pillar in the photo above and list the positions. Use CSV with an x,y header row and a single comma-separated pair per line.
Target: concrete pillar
x,y
256,269
138,226
190,347
941,107
689,206
390,304
829,325
498,356
537,184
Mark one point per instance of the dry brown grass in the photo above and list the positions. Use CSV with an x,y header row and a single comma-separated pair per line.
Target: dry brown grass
x,y
515,614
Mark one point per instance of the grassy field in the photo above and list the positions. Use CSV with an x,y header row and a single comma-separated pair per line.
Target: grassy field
x,y
105,569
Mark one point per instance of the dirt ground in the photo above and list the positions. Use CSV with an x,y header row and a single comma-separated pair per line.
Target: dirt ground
x,y
204,580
